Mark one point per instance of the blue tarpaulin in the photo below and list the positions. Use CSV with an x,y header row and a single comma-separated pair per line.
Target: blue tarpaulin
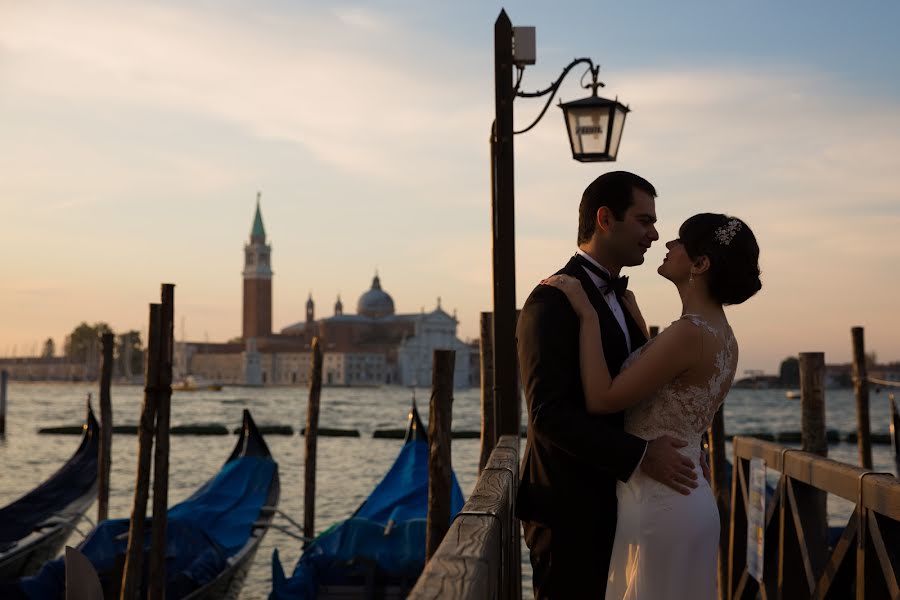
x,y
366,543
202,533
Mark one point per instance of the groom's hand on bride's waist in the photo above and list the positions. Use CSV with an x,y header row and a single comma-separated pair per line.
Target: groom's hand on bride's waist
x,y
664,463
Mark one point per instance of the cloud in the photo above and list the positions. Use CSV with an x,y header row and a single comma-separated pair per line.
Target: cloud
x,y
361,18
133,118
341,101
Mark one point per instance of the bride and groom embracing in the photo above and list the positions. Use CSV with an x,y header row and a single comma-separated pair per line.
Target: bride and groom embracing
x,y
614,494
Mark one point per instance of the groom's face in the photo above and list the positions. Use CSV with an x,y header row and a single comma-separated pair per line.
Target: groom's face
x,y
631,237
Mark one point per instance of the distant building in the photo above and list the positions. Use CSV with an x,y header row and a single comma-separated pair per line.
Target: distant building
x,y
372,347
43,368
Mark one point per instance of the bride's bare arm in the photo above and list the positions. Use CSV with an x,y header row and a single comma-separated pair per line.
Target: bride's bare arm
x,y
673,352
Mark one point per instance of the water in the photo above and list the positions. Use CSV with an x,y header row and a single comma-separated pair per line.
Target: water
x,y
348,468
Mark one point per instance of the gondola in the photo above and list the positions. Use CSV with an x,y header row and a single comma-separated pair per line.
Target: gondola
x,y
34,528
211,537
379,552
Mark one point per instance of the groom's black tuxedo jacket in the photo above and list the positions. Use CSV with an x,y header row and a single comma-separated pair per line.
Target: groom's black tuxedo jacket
x,y
572,459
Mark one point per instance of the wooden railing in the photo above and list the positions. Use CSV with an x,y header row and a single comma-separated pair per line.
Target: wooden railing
x,y
798,561
479,555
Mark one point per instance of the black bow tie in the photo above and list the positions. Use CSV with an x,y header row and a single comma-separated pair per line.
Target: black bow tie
x,y
616,285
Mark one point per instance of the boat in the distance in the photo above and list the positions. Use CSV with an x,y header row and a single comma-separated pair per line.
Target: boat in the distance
x,y
192,384
211,538
379,552
34,528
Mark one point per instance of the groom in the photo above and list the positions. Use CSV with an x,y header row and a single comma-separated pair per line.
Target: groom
x,y
567,492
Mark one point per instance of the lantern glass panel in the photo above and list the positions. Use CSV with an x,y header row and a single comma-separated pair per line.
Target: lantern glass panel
x,y
618,124
588,129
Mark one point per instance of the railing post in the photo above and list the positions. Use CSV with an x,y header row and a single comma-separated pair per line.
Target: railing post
x,y
719,477
737,540
311,439
439,463
861,390
488,424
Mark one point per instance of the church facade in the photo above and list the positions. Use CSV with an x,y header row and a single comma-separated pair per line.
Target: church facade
x,y
373,346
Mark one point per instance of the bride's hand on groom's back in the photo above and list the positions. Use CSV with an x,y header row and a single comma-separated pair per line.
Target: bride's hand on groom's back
x,y
573,290
664,463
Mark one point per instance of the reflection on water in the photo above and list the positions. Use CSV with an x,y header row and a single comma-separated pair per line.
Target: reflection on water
x,y
348,468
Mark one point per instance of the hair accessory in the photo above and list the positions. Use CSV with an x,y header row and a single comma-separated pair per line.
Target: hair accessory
x,y
726,232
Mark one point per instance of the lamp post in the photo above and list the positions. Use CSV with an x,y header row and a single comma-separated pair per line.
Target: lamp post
x,y
594,126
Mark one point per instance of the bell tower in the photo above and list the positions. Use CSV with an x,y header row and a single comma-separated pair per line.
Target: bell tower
x,y
257,281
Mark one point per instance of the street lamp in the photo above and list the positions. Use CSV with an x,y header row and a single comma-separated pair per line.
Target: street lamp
x,y
594,126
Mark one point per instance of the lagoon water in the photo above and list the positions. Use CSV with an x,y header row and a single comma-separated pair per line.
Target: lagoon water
x,y
348,468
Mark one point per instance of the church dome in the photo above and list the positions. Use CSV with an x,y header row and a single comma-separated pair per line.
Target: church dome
x,y
375,302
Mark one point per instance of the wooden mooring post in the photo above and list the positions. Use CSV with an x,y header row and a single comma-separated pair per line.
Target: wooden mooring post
x,y
861,391
134,554
810,521
105,449
895,434
4,377
488,427
440,470
311,440
157,389
157,582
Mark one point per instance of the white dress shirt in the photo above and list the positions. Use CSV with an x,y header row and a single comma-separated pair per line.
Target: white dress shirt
x,y
611,300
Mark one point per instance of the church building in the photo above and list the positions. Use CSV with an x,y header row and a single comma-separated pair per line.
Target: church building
x,y
374,346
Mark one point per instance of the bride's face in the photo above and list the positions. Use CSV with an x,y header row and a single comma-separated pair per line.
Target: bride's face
x,y
676,265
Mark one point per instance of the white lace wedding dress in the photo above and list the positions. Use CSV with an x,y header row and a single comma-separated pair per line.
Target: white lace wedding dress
x,y
666,543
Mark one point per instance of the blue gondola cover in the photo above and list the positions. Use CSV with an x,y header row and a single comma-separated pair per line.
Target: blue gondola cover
x,y
365,545
202,533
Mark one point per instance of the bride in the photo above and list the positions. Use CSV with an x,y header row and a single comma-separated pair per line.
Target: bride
x,y
666,543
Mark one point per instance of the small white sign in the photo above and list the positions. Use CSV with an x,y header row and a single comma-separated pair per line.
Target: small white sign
x,y
756,518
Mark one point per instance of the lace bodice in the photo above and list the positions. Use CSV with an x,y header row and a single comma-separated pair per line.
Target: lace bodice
x,y
685,409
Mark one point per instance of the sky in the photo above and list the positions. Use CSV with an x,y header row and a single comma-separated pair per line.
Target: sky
x,y
134,137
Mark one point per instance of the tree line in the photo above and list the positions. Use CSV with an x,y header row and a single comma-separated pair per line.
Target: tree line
x,y
83,345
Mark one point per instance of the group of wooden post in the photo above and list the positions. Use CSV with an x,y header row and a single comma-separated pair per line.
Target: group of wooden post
x,y
154,422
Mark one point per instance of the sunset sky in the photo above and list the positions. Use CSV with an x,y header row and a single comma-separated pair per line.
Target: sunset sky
x,y
134,137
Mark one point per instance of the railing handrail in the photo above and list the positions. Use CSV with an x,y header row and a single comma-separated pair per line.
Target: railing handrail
x,y
879,492
478,557
883,382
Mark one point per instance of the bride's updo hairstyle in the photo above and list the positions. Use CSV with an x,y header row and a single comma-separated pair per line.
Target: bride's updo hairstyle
x,y
733,254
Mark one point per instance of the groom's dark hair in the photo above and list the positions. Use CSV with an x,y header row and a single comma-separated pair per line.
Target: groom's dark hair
x,y
615,190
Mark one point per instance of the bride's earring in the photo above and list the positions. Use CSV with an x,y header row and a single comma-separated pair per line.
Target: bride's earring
x,y
691,280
